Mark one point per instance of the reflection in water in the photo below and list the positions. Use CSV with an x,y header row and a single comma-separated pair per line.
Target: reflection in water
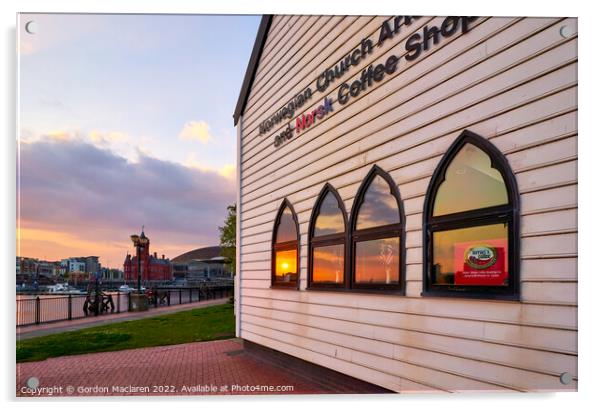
x,y
328,263
470,183
377,261
330,217
379,206
286,266
450,250
287,229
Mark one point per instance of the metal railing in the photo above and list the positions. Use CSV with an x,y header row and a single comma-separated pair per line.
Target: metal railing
x,y
54,308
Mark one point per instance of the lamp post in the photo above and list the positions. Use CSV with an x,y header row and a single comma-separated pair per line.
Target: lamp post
x,y
139,243
138,300
136,241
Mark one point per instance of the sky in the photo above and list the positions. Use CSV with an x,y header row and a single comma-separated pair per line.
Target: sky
x,y
124,121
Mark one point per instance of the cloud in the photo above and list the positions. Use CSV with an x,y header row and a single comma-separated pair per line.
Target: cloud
x,y
83,193
227,171
195,130
62,136
117,142
106,138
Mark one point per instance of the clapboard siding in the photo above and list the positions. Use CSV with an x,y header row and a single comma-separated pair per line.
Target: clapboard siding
x,y
383,378
305,199
318,67
335,39
446,114
464,364
512,81
300,58
441,67
452,382
533,134
562,224
547,292
500,312
342,171
424,79
470,348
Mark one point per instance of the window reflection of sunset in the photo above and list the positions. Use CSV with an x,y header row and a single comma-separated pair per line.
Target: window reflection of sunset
x,y
286,263
470,183
372,263
443,244
328,263
379,207
287,229
329,224
330,218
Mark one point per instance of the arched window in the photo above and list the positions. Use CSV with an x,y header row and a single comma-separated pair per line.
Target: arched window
x,y
285,247
471,223
376,249
327,239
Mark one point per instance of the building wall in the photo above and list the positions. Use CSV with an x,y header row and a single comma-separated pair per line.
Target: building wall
x,y
77,266
152,269
510,80
92,264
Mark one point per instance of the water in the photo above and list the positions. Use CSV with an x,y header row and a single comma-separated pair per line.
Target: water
x,y
56,307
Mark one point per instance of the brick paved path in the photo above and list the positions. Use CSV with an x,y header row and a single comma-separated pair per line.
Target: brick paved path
x,y
192,366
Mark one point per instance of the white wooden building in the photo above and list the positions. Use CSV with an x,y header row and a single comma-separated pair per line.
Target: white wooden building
x,y
456,150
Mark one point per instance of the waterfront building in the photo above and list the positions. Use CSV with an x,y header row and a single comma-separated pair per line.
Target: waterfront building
x,y
202,264
111,274
26,266
152,267
77,265
407,200
92,264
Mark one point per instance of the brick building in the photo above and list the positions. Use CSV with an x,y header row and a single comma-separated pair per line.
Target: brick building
x,y
152,267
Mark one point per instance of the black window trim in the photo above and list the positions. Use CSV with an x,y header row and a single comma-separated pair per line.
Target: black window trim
x,y
380,232
325,240
284,246
508,213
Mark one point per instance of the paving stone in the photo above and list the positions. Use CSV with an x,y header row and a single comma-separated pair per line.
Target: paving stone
x,y
185,369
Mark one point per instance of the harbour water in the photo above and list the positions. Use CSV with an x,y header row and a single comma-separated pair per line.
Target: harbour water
x,y
56,307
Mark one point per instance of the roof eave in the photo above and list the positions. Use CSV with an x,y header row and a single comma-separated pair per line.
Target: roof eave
x,y
262,35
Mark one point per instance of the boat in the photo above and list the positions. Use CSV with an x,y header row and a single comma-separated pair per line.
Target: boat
x,y
62,288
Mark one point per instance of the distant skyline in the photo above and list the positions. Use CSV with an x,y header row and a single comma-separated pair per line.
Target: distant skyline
x,y
126,120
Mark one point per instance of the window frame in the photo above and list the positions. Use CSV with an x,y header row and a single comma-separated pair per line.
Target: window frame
x,y
285,246
380,232
326,240
507,213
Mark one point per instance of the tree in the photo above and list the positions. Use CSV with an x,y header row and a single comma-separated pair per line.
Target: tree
x,y
227,238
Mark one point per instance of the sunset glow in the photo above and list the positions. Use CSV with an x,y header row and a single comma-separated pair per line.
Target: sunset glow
x,y
286,263
105,148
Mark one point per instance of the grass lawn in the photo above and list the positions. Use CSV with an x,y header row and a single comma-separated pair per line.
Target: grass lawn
x,y
209,323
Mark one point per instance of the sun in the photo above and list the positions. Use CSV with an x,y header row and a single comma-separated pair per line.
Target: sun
x,y
284,265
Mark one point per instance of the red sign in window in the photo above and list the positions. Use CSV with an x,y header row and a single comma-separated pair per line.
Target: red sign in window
x,y
481,263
